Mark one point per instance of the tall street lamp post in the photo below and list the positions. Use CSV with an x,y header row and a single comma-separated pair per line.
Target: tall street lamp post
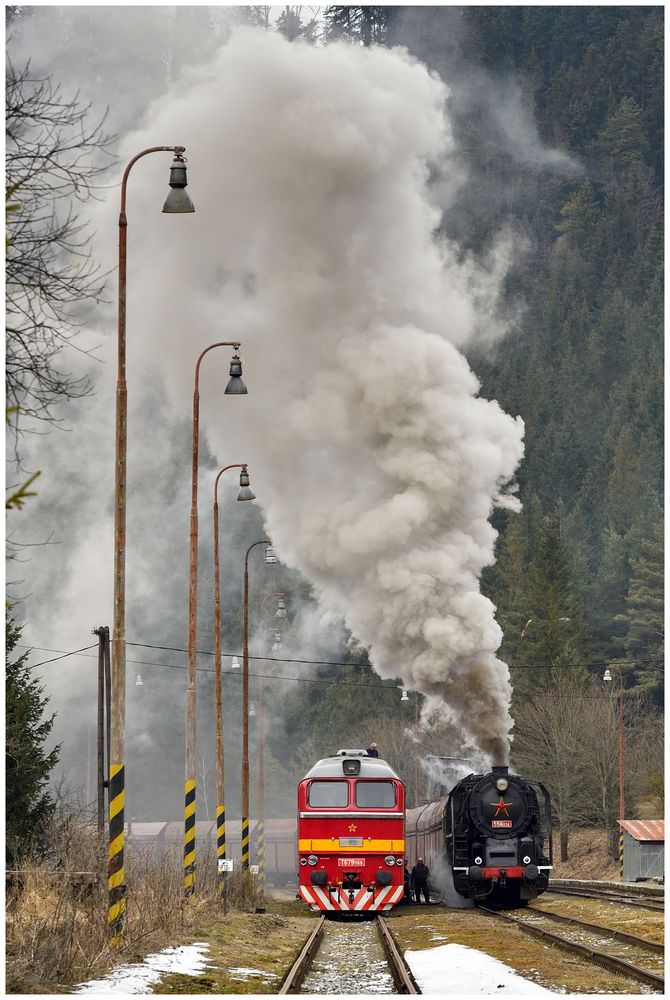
x,y
235,387
244,493
177,201
607,677
405,697
269,558
260,835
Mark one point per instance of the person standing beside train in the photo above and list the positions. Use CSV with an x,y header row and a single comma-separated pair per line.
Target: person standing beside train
x,y
420,876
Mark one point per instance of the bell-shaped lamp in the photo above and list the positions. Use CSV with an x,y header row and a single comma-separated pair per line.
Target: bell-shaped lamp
x,y
281,610
404,696
270,557
178,200
252,710
236,386
235,664
245,492
139,682
607,676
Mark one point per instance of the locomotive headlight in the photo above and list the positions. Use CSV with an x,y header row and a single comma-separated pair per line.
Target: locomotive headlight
x,y
312,859
478,860
390,860
502,784
303,861
399,862
526,859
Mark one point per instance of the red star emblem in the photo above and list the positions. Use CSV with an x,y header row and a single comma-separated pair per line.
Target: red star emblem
x,y
352,828
501,806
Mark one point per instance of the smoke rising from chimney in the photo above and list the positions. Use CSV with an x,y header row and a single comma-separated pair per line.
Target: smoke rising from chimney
x,y
314,243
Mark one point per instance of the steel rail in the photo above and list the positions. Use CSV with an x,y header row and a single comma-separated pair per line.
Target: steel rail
x,y
400,970
639,942
646,903
609,962
300,967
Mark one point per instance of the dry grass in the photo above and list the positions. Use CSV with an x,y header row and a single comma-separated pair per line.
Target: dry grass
x,y
588,856
57,928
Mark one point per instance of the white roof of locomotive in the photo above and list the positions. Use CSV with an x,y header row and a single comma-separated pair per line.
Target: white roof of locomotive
x,y
371,767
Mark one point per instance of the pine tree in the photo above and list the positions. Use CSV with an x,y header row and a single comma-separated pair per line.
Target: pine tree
x,y
28,803
553,632
644,620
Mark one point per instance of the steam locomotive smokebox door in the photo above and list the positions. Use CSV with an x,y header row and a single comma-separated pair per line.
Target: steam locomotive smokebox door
x,y
499,813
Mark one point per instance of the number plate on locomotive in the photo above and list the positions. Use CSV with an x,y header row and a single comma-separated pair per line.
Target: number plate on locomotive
x,y
351,841
351,862
501,823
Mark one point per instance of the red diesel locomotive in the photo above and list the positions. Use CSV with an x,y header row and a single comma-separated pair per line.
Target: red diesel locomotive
x,y
351,829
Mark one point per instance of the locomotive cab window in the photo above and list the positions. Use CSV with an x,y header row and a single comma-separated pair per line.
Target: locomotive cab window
x,y
375,795
328,794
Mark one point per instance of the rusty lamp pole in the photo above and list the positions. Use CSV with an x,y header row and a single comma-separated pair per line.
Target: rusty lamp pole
x,y
177,201
245,493
260,838
405,697
235,387
269,559
607,677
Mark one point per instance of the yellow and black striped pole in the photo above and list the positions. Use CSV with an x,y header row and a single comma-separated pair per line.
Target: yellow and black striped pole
x,y
189,837
220,834
245,843
621,855
116,875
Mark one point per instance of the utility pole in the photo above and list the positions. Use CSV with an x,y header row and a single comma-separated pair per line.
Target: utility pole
x,y
102,633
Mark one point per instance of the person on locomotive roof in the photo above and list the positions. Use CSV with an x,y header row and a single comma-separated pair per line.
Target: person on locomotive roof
x,y
420,876
372,750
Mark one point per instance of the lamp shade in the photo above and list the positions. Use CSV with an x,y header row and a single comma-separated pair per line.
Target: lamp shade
x,y
235,664
245,492
178,201
236,386
404,696
270,557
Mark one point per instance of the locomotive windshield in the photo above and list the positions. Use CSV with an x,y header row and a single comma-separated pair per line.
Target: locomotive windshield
x,y
328,794
375,795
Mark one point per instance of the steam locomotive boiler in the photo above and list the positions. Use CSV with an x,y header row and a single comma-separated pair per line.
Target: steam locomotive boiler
x,y
351,814
493,832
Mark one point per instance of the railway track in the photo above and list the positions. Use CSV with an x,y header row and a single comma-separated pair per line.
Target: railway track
x,y
588,940
352,958
646,902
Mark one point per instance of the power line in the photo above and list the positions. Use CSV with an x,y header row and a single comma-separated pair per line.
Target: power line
x,y
53,659
210,670
285,659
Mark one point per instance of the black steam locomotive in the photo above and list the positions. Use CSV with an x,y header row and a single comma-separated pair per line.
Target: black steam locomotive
x,y
493,832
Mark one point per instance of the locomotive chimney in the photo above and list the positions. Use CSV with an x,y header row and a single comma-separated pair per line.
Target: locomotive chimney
x,y
500,770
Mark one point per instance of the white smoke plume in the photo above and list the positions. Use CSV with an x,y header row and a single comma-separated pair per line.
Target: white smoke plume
x,y
377,463
314,244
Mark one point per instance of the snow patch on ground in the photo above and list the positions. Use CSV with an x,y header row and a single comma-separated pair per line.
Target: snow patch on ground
x,y
141,977
466,971
242,974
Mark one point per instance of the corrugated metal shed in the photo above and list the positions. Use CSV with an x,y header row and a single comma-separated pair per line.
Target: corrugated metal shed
x,y
650,829
643,849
